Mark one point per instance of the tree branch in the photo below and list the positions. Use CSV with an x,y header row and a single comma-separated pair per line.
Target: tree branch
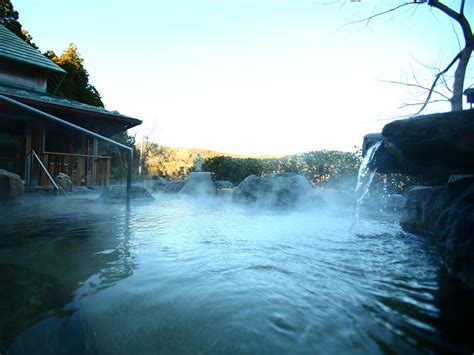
x,y
462,7
440,74
417,86
393,9
421,103
459,18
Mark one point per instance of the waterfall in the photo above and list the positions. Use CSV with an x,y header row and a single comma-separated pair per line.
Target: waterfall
x,y
364,179
364,165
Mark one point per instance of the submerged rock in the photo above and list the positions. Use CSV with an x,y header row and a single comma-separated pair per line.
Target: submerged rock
x,y
11,187
199,183
119,194
26,296
445,213
286,190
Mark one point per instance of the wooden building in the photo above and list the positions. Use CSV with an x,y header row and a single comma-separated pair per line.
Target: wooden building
x,y
27,77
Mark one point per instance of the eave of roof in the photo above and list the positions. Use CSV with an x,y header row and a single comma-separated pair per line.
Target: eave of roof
x,y
14,48
56,101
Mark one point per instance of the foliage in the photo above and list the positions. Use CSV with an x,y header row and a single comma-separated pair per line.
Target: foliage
x,y
75,85
9,18
319,167
172,163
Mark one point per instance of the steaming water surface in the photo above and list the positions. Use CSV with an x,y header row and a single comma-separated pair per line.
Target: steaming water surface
x,y
181,276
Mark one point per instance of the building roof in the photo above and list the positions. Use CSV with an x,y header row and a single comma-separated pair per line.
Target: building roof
x,y
70,109
14,48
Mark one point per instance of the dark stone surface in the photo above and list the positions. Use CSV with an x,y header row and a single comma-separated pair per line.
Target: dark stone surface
x,y
168,186
119,194
64,181
369,140
11,187
440,144
446,214
25,298
223,184
284,190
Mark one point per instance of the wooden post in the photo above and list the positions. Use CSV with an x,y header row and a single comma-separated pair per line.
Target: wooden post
x,y
95,152
107,173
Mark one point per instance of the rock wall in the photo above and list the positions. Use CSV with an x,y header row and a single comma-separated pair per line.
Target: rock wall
x,y
445,214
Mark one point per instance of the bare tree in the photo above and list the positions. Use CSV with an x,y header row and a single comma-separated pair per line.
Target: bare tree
x,y
460,60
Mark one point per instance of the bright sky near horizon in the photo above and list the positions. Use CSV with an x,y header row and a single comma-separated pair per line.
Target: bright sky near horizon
x,y
249,76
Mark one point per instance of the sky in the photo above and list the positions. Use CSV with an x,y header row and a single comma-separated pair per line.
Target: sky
x,y
251,76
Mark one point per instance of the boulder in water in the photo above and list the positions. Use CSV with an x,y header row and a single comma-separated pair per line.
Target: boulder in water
x,y
64,181
199,183
285,190
223,184
119,194
11,187
171,186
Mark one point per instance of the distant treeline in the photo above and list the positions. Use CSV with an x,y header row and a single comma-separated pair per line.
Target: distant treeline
x,y
319,167
322,168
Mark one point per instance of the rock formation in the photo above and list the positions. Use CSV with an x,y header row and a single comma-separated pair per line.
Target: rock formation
x,y
119,194
286,190
11,187
199,183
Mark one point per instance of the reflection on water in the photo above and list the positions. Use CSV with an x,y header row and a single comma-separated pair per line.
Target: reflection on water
x,y
178,276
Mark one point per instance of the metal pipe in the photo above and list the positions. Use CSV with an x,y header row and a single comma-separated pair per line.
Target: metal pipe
x,y
80,129
56,186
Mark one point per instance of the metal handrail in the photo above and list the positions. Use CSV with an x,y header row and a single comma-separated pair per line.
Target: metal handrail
x,y
56,186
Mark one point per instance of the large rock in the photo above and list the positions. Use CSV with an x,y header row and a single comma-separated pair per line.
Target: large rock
x,y
119,194
439,144
11,187
64,181
223,184
171,186
199,183
284,190
369,140
445,214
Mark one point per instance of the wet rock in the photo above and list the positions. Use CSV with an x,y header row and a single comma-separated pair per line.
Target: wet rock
x,y
168,186
223,184
199,183
11,187
286,190
64,181
119,194
446,214
439,144
369,140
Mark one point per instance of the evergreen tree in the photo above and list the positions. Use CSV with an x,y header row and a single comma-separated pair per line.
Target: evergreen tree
x,y
75,85
9,18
